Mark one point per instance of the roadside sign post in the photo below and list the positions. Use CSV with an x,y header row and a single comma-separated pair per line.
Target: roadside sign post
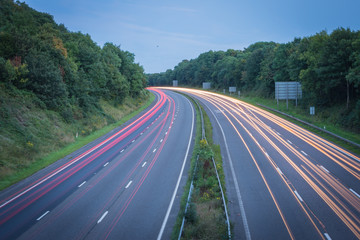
x,y
206,85
286,91
312,110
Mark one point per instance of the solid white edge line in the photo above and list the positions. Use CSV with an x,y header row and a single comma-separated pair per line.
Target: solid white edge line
x,y
179,178
143,164
327,236
237,189
39,218
82,184
358,195
279,170
128,185
102,217
298,196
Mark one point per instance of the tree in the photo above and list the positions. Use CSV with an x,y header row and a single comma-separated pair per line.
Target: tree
x,y
45,80
334,63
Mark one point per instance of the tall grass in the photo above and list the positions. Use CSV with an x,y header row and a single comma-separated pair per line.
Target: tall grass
x,y
125,112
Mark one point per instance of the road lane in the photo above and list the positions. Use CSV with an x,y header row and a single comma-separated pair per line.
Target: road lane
x,y
292,183
119,188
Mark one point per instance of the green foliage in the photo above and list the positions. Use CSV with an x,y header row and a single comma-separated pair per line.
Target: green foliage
x,y
205,218
45,80
32,138
53,83
327,65
63,68
205,152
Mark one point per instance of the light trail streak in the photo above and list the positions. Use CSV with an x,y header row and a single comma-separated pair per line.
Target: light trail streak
x,y
286,181
45,178
144,176
345,217
333,192
157,129
30,194
262,176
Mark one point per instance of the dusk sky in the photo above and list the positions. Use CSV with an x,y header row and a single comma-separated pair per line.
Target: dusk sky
x,y
163,33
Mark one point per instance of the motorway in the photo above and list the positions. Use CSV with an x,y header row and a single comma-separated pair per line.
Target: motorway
x,y
282,181
125,185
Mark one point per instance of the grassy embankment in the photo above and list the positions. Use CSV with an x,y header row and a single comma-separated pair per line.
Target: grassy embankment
x,y
32,137
205,217
325,118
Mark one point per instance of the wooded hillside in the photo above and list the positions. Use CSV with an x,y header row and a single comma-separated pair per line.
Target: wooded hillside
x,y
327,65
64,69
56,85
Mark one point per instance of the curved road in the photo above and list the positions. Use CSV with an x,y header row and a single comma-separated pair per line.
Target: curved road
x,y
282,181
125,185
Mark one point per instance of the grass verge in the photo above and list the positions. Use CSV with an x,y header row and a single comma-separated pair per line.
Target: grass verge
x,y
318,120
56,155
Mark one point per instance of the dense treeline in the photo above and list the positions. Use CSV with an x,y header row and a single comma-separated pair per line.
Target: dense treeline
x,y
327,65
67,71
56,85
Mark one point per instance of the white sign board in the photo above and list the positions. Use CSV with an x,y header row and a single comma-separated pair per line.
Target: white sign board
x,y
206,85
287,90
175,83
232,89
312,110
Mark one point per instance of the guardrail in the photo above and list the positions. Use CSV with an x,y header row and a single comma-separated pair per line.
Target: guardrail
x,y
188,199
311,125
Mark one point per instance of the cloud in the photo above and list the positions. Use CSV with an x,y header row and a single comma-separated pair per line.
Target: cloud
x,y
156,33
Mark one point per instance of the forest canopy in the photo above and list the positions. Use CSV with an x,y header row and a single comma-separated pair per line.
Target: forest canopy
x,y
327,65
65,70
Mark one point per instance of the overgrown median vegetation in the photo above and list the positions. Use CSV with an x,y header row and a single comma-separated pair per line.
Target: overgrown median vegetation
x,y
205,216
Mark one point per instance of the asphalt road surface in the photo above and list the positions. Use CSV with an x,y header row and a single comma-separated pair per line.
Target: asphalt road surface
x,y
125,185
282,181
